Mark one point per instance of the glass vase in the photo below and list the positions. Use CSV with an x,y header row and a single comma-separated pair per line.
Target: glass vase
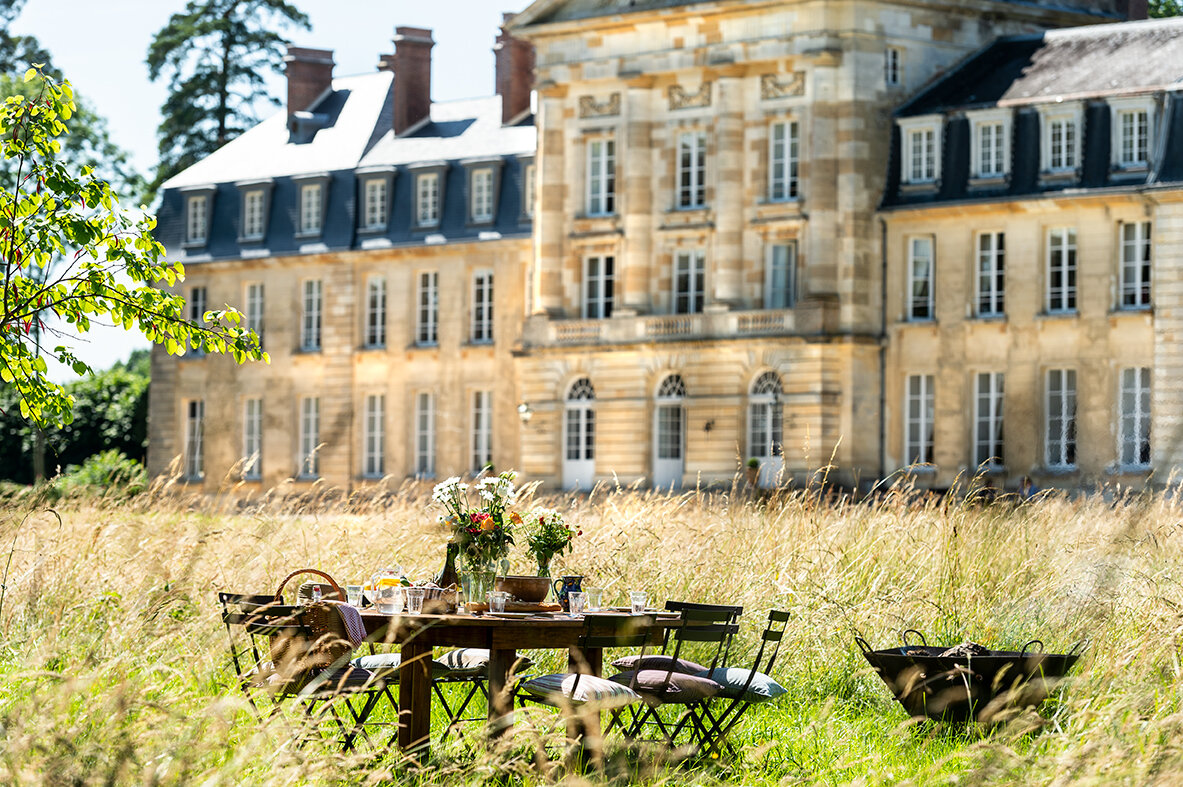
x,y
544,566
476,578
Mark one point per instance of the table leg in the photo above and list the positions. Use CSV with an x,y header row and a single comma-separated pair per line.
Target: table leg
x,y
500,702
585,725
414,700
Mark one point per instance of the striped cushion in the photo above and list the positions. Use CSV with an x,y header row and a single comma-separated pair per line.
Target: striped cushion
x,y
385,666
660,662
589,690
474,663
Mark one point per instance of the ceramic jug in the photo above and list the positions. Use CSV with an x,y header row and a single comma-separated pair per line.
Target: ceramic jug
x,y
565,585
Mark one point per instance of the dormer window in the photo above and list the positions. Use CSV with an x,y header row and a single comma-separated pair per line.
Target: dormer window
x,y
376,185
1060,138
196,218
255,199
375,207
921,150
427,199
1133,132
991,144
483,177
310,202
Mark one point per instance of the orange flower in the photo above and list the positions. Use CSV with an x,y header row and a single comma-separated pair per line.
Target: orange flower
x,y
488,524
515,518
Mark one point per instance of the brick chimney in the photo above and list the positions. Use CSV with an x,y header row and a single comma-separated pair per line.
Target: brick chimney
x,y
412,76
515,72
309,73
1135,9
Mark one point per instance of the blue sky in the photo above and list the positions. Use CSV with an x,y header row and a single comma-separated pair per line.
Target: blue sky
x,y
100,47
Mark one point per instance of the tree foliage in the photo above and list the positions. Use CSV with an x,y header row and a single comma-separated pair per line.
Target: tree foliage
x,y
69,254
1163,8
215,55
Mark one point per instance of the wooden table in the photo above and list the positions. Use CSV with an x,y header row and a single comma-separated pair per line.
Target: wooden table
x,y
418,634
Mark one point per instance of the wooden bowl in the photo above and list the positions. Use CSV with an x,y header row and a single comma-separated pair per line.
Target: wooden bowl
x,y
529,589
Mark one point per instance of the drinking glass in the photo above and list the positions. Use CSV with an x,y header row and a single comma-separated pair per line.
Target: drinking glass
x,y
595,599
389,599
578,601
639,599
415,600
497,601
353,594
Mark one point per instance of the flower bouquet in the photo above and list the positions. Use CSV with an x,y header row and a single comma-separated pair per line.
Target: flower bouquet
x,y
547,535
482,532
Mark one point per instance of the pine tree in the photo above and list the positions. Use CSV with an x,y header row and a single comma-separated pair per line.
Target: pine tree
x,y
214,55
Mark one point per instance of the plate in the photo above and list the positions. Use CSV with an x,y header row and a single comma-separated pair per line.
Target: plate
x,y
515,614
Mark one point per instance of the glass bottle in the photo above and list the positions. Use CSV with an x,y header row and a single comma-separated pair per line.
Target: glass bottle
x,y
448,576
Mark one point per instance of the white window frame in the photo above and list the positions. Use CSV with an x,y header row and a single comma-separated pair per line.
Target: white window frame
x,y
195,439
690,175
927,303
1060,419
375,203
312,310
375,312
780,279
528,190
481,453
427,199
893,66
989,392
689,282
196,219
601,176
311,208
784,155
599,270
424,434
481,181
1122,108
1061,258
427,305
1134,238
309,458
253,204
994,146
1067,118
374,436
481,325
991,274
927,131
252,439
254,299
919,412
198,304
1134,403
766,417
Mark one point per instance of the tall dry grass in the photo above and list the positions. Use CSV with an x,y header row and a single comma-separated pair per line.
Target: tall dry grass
x,y
115,671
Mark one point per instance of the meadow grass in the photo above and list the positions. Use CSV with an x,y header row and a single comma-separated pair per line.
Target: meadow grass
x,y
114,668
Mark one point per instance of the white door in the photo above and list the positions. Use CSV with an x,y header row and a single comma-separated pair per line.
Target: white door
x,y
766,428
579,437
669,433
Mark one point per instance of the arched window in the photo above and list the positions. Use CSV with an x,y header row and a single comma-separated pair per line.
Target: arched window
x,y
670,433
581,421
765,417
672,387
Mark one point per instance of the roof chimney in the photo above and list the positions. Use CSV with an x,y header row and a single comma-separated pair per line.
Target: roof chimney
x,y
412,76
515,72
309,73
1135,9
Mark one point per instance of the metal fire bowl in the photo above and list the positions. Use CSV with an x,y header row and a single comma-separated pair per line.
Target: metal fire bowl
x,y
968,687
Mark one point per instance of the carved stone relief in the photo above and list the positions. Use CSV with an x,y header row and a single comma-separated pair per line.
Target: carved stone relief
x,y
772,87
680,99
590,108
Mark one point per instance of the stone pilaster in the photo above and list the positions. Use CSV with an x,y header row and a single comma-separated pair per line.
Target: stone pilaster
x,y
729,195
638,198
549,212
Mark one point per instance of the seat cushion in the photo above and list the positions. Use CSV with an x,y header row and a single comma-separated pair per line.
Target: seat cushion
x,y
680,688
466,662
346,680
734,680
386,666
658,662
587,690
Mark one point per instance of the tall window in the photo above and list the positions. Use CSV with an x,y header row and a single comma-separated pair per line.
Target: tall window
x,y
1061,270
528,191
254,309
1062,143
765,417
195,219
375,207
601,177
252,439
310,437
252,213
991,274
598,281
194,450
581,422
1133,137
920,155
780,278
374,451
689,276
427,315
1061,418
783,155
991,153
988,420
920,278
692,164
427,199
310,325
482,306
918,420
671,418
482,431
424,435
1135,265
892,66
197,307
376,312
311,196
1134,402
481,208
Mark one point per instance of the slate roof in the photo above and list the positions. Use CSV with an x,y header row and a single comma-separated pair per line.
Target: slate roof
x,y
458,130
